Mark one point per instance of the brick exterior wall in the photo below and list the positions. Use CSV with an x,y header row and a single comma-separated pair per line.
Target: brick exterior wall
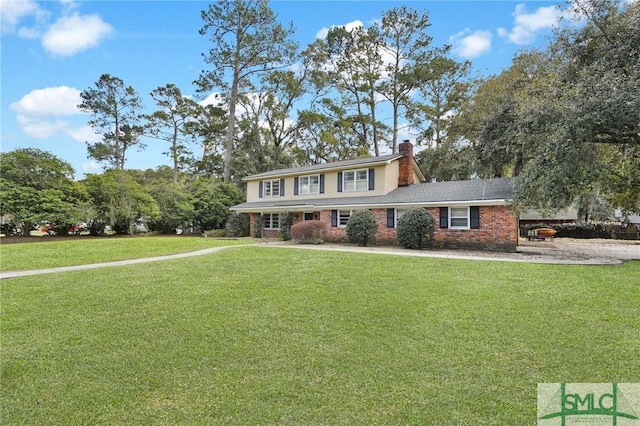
x,y
498,230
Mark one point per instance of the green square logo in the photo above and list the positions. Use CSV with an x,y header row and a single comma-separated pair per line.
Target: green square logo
x,y
568,404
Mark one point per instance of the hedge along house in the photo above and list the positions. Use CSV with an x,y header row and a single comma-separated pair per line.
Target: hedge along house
x,y
469,214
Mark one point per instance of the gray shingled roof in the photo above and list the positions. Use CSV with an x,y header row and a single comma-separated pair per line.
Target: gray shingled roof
x,y
327,166
421,193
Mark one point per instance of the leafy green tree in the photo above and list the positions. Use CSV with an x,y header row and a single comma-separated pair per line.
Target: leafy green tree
x,y
247,41
451,160
175,205
408,50
445,89
115,114
119,201
286,221
352,63
262,143
37,186
326,134
238,225
568,104
362,227
498,122
416,228
169,121
208,128
211,200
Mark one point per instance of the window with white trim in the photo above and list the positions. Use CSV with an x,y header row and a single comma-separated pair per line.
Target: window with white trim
x,y
271,188
356,180
343,217
459,217
309,184
271,220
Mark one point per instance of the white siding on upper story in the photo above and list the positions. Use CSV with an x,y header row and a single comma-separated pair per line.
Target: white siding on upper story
x,y
386,180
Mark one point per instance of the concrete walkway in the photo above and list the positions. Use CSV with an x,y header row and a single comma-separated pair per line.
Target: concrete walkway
x,y
527,253
14,274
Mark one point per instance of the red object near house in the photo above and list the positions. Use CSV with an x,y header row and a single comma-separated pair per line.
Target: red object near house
x,y
546,232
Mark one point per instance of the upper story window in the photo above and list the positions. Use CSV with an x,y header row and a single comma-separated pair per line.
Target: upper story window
x,y
271,188
309,185
356,180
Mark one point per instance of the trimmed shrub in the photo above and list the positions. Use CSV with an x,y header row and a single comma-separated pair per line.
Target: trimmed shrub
x,y
415,228
258,226
362,227
238,225
286,220
309,232
215,233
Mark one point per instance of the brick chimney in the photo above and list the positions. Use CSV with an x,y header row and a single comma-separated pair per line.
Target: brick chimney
x,y
405,177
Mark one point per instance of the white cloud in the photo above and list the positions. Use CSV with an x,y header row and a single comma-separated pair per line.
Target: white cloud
x,y
32,33
46,113
526,25
61,100
82,134
322,33
14,11
39,128
468,45
214,99
90,167
75,33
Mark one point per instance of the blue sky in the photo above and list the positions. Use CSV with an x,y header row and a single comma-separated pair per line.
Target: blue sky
x,y
53,50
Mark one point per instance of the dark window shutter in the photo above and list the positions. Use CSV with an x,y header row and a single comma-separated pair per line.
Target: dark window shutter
x,y
260,189
296,183
474,217
282,187
444,217
372,180
391,218
334,218
322,184
339,181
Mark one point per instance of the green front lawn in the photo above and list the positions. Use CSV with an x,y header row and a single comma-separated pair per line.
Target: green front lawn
x,y
259,335
81,251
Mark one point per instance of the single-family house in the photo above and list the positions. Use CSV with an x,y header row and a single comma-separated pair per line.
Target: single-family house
x,y
468,214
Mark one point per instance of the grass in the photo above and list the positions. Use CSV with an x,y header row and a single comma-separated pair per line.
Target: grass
x,y
258,335
51,254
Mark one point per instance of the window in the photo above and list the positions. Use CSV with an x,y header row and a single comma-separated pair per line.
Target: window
x,y
271,188
357,180
339,218
459,217
399,213
271,220
343,217
309,185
